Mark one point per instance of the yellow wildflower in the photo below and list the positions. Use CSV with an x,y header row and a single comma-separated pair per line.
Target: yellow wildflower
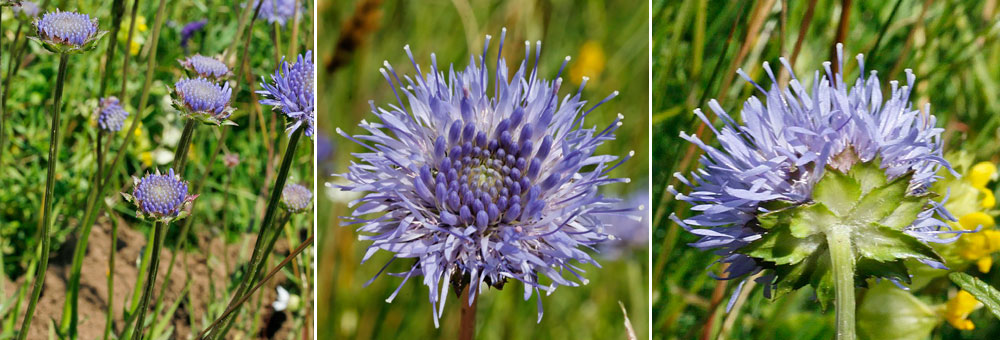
x,y
957,310
979,176
147,158
590,63
133,48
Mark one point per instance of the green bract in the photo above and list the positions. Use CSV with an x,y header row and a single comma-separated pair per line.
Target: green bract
x,y
861,208
59,48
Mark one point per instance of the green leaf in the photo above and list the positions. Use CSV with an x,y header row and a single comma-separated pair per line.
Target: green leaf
x,y
880,202
885,244
987,295
838,191
868,268
780,247
869,175
905,213
811,219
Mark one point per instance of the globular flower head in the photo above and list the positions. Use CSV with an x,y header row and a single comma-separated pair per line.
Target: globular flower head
x,y
295,198
110,114
291,92
204,100
206,67
189,29
67,32
279,11
161,198
480,186
27,8
801,164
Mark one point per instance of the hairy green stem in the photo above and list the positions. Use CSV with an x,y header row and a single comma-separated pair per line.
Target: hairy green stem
x,y
180,155
50,179
842,267
147,289
265,225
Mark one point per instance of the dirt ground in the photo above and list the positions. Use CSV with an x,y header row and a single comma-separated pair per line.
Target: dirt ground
x,y
203,270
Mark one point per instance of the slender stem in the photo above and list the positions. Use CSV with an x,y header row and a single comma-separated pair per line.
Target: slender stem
x,y
109,320
147,290
276,40
50,178
253,290
6,88
186,226
467,328
180,155
92,209
117,10
136,294
842,266
293,45
269,214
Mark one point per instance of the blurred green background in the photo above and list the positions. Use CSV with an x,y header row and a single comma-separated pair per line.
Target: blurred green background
x,y
607,36
232,201
953,49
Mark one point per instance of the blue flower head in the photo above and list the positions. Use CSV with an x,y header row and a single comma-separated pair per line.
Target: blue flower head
x,y
802,161
481,180
206,67
110,114
189,29
27,8
204,100
162,198
296,198
291,92
279,11
67,32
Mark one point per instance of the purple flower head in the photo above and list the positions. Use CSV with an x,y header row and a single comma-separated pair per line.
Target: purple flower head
x,y
206,67
479,185
190,29
204,100
291,91
296,198
162,198
279,11
110,114
62,32
27,8
789,140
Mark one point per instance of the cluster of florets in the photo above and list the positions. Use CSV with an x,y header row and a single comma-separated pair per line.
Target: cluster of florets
x,y
291,91
161,198
204,100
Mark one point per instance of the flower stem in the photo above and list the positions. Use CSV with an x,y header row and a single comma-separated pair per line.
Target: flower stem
x,y
147,289
110,317
229,310
186,226
50,178
259,256
467,328
842,267
180,155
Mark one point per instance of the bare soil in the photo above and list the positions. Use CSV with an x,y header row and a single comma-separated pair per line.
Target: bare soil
x,y
206,270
